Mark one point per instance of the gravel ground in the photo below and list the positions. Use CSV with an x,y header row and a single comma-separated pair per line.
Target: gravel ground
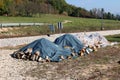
x,y
12,69
26,40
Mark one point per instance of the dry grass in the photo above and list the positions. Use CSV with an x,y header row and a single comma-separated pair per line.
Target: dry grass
x,y
100,65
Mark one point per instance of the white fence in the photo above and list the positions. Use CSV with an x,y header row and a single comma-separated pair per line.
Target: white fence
x,y
21,24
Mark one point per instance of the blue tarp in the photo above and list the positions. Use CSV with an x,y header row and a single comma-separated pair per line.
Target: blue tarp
x,y
47,48
71,41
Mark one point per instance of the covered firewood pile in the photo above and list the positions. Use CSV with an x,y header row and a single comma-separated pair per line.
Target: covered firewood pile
x,y
64,47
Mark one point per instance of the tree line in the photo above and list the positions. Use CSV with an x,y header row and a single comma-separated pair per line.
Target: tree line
x,y
38,7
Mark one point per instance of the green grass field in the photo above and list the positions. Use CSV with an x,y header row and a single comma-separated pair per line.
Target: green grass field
x,y
72,24
76,24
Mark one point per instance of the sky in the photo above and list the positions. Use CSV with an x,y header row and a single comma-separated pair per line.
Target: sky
x,y
112,6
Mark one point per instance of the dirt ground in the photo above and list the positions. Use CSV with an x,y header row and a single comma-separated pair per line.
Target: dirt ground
x,y
101,65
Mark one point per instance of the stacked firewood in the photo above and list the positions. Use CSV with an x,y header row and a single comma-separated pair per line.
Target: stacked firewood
x,y
88,50
28,55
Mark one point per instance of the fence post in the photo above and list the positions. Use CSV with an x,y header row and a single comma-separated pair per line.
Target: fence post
x,y
1,25
52,28
60,26
19,25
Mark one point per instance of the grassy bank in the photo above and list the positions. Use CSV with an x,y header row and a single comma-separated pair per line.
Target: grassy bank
x,y
71,24
114,38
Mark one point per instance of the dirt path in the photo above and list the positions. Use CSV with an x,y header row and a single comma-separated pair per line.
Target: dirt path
x,y
25,40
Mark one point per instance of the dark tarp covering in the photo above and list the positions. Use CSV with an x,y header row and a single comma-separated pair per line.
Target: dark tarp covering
x,y
47,48
71,41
